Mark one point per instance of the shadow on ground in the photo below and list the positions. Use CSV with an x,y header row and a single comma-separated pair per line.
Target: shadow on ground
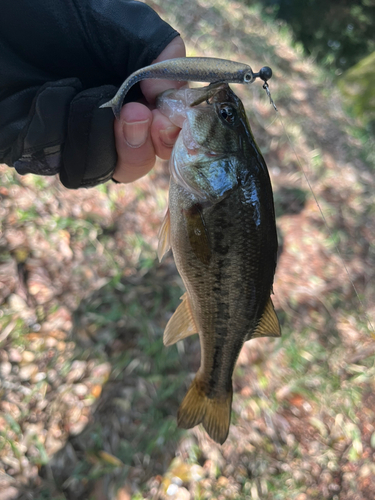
x,y
131,432
98,384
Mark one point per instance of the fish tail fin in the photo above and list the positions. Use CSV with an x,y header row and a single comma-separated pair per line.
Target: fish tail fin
x,y
213,413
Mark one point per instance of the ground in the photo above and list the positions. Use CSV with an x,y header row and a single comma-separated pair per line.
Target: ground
x,y
89,394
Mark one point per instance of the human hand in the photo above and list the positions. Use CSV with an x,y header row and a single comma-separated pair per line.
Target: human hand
x,y
143,132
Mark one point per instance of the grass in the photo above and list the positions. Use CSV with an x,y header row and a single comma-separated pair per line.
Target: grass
x,y
84,294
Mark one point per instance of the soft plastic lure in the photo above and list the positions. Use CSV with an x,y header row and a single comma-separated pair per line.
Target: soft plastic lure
x,y
186,69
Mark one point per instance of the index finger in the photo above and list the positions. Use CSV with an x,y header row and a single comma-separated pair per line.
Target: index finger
x,y
152,88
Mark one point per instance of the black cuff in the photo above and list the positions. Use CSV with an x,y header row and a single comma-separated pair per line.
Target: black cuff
x,y
89,153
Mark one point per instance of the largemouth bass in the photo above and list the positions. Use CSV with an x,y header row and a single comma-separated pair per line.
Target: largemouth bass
x,y
187,69
221,227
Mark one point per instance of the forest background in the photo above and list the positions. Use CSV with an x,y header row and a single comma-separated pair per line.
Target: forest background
x,y
89,393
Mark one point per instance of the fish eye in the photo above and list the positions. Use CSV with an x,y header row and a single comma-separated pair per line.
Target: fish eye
x,y
248,77
228,114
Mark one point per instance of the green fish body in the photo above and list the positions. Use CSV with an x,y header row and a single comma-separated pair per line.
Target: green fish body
x,y
221,227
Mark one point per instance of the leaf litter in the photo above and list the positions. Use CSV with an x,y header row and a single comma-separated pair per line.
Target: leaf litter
x,y
88,392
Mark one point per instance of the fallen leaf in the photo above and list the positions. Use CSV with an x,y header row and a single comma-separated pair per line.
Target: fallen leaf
x,y
110,459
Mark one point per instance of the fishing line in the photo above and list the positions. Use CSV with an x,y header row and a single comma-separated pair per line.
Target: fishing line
x,y
322,214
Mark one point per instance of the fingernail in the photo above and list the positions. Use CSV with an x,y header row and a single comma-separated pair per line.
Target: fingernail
x,y
169,135
135,133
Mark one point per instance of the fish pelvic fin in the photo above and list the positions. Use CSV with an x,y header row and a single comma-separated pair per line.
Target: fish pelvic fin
x,y
213,413
164,236
181,324
269,324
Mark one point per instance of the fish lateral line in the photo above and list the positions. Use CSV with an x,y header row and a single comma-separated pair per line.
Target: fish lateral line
x,y
188,69
205,228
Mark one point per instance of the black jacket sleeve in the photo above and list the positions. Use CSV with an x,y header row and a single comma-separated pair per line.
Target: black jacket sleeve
x,y
59,60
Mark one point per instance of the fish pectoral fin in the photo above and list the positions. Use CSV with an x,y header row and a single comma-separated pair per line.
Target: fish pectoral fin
x,y
164,236
269,324
181,324
213,413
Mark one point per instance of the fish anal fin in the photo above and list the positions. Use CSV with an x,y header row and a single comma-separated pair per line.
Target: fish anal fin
x,y
213,413
181,324
197,234
269,324
164,236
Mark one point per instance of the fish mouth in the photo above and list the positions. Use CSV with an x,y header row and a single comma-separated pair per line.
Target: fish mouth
x,y
175,103
192,110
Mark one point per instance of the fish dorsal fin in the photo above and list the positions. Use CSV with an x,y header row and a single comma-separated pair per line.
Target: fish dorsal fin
x,y
197,233
269,324
181,324
164,236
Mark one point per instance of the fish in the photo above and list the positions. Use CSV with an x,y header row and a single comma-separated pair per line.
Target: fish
x,y
199,69
220,225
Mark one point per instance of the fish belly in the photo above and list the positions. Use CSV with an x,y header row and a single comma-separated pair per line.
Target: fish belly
x,y
228,286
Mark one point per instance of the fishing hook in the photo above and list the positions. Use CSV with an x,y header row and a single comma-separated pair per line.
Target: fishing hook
x,y
265,74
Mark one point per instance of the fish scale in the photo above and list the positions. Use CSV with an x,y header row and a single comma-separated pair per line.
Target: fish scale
x,y
221,228
233,273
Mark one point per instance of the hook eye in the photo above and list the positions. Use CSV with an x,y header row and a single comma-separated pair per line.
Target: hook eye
x,y
249,77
